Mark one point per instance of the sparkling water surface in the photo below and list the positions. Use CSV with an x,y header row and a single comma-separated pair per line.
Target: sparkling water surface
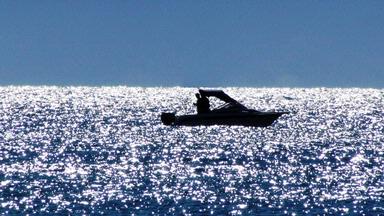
x,y
103,150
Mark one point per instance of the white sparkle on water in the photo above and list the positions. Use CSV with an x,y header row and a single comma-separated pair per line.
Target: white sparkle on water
x,y
83,150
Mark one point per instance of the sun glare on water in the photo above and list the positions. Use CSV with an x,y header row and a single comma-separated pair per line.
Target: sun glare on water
x,y
83,150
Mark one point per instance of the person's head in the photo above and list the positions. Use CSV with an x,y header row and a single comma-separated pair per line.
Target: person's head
x,y
197,95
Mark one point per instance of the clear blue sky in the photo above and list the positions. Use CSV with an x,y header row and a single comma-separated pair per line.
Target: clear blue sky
x,y
192,43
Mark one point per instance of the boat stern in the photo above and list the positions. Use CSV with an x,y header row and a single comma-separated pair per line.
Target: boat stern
x,y
168,118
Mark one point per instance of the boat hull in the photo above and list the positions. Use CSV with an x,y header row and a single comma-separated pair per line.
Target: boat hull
x,y
255,119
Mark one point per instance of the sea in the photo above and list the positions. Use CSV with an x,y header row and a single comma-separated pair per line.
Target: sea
x,y
104,151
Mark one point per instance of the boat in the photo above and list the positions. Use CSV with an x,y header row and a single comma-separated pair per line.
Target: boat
x,y
230,113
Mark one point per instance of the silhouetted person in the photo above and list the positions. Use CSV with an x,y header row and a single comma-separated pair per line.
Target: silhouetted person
x,y
202,104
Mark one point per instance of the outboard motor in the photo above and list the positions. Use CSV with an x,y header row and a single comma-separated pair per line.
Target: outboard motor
x,y
168,118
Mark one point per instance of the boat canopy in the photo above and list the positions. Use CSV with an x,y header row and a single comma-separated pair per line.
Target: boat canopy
x,y
222,96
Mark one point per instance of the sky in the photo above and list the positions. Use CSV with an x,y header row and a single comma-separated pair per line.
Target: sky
x,y
192,43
